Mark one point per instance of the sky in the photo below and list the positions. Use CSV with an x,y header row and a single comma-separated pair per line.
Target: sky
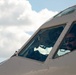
x,y
19,19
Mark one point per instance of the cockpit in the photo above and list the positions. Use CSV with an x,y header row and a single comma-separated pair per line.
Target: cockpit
x,y
40,46
42,43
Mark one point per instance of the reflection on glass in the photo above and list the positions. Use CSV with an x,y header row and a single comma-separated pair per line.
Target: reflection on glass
x,y
41,44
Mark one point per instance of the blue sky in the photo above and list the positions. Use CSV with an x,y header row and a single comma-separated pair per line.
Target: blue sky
x,y
19,19
54,5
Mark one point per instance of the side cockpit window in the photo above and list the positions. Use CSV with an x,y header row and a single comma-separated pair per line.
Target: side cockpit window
x,y
69,43
42,43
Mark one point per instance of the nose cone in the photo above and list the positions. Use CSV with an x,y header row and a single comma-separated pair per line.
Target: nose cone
x,y
18,66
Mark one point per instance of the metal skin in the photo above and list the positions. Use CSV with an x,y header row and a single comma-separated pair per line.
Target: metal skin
x,y
64,65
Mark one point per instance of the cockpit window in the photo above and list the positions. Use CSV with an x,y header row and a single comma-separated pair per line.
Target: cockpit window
x,y
41,45
66,11
68,44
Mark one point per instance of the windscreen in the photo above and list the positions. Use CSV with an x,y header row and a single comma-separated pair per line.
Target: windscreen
x,y
42,43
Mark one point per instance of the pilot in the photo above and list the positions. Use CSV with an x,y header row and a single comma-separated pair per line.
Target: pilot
x,y
70,41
